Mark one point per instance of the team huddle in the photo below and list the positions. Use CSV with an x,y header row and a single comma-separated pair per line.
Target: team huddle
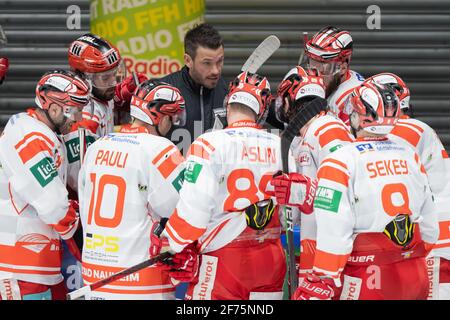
x,y
368,184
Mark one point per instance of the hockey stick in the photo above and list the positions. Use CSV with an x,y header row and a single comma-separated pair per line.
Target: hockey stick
x,y
309,111
82,142
71,244
135,78
77,294
261,54
163,257
302,54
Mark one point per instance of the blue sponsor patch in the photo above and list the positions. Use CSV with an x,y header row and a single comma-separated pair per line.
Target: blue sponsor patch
x,y
364,147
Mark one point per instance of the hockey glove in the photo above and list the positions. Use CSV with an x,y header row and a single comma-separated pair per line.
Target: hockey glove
x,y
156,243
4,64
314,288
295,189
185,265
124,90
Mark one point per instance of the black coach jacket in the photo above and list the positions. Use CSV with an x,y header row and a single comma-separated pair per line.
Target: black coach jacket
x,y
200,102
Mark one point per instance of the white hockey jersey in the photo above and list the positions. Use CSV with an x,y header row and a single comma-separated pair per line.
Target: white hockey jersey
x,y
226,171
337,99
323,136
98,119
100,115
434,158
33,201
126,182
361,188
72,142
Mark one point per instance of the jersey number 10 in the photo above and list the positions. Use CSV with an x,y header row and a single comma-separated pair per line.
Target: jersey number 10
x,y
95,203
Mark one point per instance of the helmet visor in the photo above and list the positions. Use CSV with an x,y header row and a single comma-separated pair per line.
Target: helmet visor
x,y
179,119
109,78
72,113
325,68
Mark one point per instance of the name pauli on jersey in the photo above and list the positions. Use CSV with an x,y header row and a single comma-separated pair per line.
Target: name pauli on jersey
x,y
111,158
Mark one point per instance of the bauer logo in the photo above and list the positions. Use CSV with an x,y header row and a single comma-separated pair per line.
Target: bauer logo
x,y
44,171
327,199
192,171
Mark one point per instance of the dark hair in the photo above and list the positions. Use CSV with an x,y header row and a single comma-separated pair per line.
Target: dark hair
x,y
203,35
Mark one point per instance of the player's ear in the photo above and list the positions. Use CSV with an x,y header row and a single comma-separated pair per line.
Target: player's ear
x,y
188,61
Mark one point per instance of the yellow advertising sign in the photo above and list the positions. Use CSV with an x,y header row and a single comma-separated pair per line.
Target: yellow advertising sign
x,y
148,33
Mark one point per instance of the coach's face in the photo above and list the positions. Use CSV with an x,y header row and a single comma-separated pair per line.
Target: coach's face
x,y
206,67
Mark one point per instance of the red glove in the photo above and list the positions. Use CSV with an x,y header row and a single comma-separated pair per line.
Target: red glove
x,y
74,204
4,64
156,243
295,189
184,265
124,90
314,288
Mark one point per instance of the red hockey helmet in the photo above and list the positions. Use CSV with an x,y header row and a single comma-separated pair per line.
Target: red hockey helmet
x,y
98,59
297,87
373,107
251,90
64,88
328,47
400,87
153,99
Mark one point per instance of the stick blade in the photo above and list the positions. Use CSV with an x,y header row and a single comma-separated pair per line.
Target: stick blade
x,y
79,293
261,54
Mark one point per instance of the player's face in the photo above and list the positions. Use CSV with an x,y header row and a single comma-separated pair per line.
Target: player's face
x,y
206,68
331,73
164,125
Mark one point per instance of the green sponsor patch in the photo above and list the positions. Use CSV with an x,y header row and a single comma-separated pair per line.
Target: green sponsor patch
x,y
178,182
73,148
44,171
192,171
338,146
327,199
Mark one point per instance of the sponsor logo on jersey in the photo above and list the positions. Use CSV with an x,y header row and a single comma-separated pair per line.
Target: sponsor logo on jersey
x,y
206,278
304,159
44,171
192,171
178,182
336,147
351,288
98,241
35,242
327,199
73,148
364,147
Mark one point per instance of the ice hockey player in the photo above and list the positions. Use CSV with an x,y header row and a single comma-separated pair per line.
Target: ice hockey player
x,y
434,158
319,137
35,212
376,219
128,181
330,51
225,210
101,64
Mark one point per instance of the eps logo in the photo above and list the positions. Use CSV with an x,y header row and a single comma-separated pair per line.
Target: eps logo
x,y
106,243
